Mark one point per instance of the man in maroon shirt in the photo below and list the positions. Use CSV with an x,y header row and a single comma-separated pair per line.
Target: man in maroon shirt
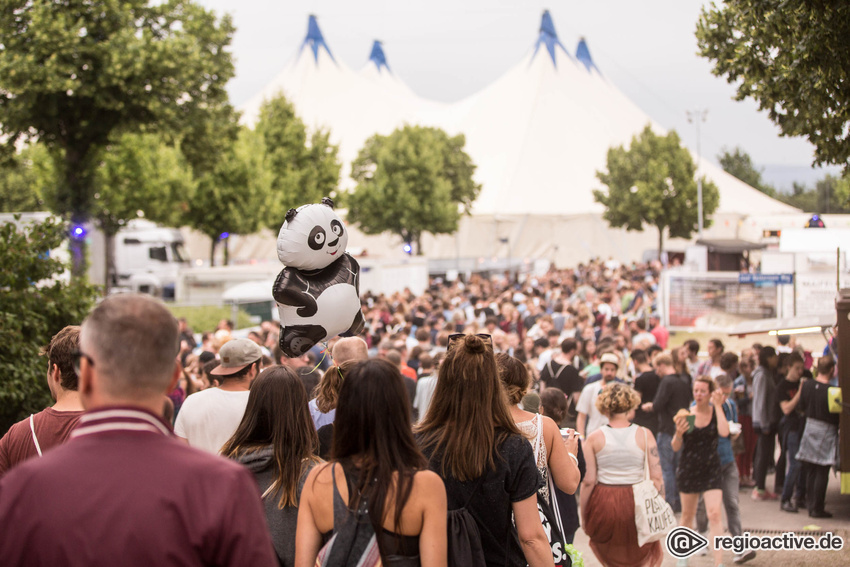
x,y
123,490
46,429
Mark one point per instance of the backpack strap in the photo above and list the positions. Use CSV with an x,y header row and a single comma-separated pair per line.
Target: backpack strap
x,y
478,484
34,438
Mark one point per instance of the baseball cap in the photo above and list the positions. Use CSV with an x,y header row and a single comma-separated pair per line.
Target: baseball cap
x,y
235,355
609,357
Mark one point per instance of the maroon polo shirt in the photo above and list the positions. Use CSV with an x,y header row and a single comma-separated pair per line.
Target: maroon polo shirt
x,y
124,491
51,428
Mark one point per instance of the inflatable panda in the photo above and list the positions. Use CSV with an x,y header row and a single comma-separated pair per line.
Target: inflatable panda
x,y
318,292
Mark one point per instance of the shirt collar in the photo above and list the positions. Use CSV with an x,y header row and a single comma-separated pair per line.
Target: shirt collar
x,y
111,419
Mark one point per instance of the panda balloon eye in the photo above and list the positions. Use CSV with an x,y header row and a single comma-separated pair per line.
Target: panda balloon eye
x,y
336,227
316,240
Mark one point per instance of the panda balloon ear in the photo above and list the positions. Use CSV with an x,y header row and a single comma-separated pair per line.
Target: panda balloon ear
x,y
328,201
290,214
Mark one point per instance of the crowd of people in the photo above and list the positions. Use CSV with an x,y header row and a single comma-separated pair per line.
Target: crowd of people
x,y
451,431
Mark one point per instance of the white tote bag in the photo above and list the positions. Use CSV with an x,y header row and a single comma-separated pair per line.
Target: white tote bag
x,y
653,515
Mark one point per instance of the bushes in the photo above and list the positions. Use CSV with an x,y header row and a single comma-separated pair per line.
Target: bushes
x,y
36,302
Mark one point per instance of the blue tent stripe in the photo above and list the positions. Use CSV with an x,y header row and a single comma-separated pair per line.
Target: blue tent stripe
x,y
315,40
583,55
378,57
549,38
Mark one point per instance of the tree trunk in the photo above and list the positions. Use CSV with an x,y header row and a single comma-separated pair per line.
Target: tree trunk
x,y
77,182
212,250
78,247
227,251
660,242
419,244
110,276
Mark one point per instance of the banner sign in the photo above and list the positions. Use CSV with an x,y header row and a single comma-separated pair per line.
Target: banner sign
x,y
766,279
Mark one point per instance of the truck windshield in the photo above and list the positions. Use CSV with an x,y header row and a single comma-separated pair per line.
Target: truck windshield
x,y
158,253
178,253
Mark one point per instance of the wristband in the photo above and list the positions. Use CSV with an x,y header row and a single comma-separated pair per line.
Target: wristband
x,y
574,458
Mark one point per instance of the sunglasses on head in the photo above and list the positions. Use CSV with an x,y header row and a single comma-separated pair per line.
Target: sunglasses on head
x,y
455,337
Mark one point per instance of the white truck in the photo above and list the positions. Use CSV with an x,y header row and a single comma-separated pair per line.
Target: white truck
x,y
148,257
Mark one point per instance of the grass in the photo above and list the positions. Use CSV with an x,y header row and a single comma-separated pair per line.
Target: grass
x,y
205,318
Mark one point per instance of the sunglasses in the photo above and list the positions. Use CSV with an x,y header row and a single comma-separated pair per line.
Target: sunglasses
x,y
455,337
76,355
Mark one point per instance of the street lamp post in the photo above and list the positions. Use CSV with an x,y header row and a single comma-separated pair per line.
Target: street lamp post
x,y
696,117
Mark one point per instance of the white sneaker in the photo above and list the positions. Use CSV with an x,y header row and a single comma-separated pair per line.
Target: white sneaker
x,y
739,558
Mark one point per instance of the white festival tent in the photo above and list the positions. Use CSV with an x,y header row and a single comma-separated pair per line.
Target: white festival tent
x,y
538,134
329,95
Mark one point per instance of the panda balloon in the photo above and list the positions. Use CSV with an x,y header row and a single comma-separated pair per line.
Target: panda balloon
x,y
318,292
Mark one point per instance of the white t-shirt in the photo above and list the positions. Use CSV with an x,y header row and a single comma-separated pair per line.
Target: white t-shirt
x,y
425,387
208,418
587,405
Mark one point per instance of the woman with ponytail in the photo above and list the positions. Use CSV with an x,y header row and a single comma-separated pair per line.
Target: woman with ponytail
x,y
488,467
277,442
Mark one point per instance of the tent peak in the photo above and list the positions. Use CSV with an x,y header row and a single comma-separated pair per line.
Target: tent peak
x,y
583,55
549,38
315,40
378,57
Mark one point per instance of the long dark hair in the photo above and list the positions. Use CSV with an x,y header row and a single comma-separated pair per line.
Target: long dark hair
x,y
372,432
469,416
277,415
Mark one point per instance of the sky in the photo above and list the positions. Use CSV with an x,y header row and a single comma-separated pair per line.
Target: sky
x,y
447,50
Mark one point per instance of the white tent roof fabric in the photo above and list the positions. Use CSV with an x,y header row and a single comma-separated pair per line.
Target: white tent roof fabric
x,y
538,134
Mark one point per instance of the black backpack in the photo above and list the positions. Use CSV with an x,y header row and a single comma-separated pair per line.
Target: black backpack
x,y
464,539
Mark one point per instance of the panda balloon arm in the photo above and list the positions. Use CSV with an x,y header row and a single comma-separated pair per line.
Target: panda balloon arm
x,y
353,268
291,288
356,327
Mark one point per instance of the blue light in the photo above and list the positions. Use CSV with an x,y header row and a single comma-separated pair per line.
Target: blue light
x,y
815,217
408,249
78,231
224,235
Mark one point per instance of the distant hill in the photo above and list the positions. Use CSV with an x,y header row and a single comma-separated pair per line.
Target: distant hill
x,y
783,176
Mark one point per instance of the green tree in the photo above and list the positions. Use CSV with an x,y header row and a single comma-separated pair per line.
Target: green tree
x,y
74,74
140,175
301,169
653,182
792,58
830,194
739,164
31,313
415,180
21,180
839,194
231,198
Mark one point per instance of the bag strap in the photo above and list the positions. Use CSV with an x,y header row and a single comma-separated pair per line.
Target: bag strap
x,y
556,509
478,483
553,374
645,454
34,438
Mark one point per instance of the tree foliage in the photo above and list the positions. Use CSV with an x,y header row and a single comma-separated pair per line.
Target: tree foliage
x,y
739,164
31,313
829,195
230,199
653,182
76,74
793,58
22,180
301,169
415,180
